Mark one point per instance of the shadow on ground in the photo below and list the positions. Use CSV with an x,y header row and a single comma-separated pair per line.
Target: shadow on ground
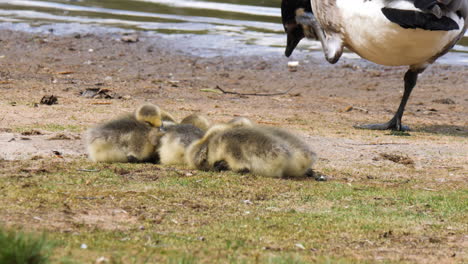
x,y
450,130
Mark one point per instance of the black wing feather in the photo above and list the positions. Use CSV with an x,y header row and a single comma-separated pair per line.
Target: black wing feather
x,y
415,19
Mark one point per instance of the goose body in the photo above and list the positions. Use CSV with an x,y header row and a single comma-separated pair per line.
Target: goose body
x,y
369,33
387,32
365,28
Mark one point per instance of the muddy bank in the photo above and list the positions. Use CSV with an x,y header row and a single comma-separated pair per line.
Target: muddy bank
x,y
322,105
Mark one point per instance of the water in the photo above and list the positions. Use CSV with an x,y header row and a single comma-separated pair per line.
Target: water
x,y
211,27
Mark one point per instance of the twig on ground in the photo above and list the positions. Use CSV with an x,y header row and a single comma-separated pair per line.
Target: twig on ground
x,y
88,170
253,94
380,144
101,103
361,109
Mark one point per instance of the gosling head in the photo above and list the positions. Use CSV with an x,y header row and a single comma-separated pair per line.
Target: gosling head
x,y
197,120
150,114
240,122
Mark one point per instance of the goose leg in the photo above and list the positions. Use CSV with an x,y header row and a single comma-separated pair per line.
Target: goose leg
x,y
410,79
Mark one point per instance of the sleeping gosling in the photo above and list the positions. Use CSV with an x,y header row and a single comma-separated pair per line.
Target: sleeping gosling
x,y
175,139
301,151
248,149
241,122
126,139
173,142
197,120
167,118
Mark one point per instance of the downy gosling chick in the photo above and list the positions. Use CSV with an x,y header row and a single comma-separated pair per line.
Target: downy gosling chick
x,y
173,142
248,149
197,120
126,139
301,151
241,122
167,118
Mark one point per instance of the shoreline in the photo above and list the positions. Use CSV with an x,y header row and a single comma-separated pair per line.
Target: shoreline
x,y
210,45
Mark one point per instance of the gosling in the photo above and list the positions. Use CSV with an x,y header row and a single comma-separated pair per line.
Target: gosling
x,y
300,149
197,120
167,118
249,149
173,142
126,139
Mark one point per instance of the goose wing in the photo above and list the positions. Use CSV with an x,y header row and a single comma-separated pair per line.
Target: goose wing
x,y
426,14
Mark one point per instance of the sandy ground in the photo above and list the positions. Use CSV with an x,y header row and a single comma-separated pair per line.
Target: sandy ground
x,y
324,103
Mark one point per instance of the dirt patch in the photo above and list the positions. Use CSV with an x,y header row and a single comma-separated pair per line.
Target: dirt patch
x,y
401,159
49,100
13,146
109,219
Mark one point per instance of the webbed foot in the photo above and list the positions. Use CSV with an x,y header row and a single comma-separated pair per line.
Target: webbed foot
x,y
244,171
390,125
317,176
221,165
132,159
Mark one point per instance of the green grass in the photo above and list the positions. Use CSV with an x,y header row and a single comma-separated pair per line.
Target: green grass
x,y
22,248
49,127
143,213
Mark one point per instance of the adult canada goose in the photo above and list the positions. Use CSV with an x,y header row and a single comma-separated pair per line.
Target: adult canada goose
x,y
387,32
248,149
126,139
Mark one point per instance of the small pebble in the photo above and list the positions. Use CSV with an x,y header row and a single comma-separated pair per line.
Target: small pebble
x,y
298,245
292,65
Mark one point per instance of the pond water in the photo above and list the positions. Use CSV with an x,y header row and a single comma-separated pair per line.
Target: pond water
x,y
211,26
